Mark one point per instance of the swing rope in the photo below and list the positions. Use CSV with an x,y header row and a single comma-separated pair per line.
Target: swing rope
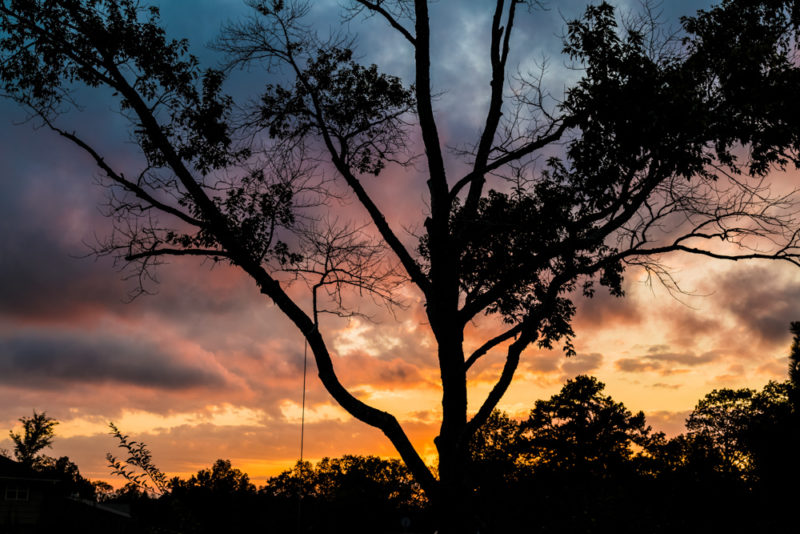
x,y
303,410
302,439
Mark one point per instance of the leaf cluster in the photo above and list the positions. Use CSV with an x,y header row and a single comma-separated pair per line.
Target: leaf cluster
x,y
138,467
49,48
38,432
358,106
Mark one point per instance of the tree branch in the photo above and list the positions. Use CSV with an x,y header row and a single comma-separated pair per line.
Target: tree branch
x,y
118,178
384,421
177,252
793,258
514,155
489,345
377,8
528,336
499,55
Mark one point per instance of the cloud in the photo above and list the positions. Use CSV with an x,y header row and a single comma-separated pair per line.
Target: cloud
x,y
360,369
635,365
762,300
47,359
605,309
662,385
661,360
557,366
581,363
545,361
685,358
671,423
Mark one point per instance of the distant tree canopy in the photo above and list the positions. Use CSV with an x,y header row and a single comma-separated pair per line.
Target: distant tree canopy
x,y
222,478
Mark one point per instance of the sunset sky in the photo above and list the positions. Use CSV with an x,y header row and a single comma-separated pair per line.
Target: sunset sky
x,y
207,368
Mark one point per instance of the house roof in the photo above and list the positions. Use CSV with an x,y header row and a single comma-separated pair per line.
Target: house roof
x,y
9,469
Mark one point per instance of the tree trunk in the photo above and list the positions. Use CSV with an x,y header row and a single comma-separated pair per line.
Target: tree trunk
x,y
451,506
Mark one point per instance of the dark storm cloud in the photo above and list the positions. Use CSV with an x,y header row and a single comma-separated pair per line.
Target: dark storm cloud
x,y
47,359
42,281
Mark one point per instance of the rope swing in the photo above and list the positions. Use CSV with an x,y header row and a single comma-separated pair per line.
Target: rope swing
x,y
303,409
302,439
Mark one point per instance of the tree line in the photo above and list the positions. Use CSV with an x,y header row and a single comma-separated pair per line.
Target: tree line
x,y
580,462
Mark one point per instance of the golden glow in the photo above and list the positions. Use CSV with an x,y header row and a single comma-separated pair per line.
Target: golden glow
x,y
141,422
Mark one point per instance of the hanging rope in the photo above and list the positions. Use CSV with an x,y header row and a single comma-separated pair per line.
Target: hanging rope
x,y
303,410
302,440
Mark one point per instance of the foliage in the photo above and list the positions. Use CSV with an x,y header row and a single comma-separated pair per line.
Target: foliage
x,y
70,480
753,435
222,478
581,429
138,467
351,494
37,434
660,146
722,417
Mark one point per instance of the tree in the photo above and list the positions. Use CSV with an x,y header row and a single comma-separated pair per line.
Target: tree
x,y
744,443
580,429
213,500
222,478
70,480
579,462
494,453
722,417
752,432
349,494
664,147
37,434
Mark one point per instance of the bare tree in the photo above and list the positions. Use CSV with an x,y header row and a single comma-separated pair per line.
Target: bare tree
x,y
665,141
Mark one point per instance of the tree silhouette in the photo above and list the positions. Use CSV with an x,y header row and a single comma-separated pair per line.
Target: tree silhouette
x,y
583,455
579,429
214,500
37,434
221,478
661,146
722,417
350,494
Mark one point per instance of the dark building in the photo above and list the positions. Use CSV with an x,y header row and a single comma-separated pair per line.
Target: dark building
x,y
32,503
